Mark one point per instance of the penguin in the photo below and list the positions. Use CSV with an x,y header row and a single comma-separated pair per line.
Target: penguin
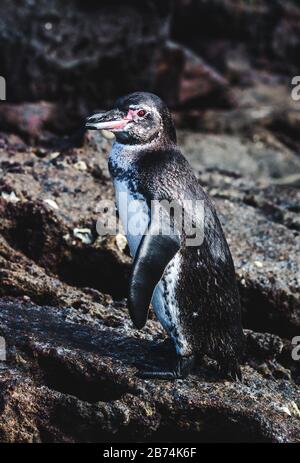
x,y
191,285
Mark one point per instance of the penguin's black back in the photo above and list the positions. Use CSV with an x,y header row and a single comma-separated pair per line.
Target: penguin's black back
x,y
206,284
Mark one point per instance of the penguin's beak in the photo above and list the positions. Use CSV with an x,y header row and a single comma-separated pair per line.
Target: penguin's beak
x,y
114,120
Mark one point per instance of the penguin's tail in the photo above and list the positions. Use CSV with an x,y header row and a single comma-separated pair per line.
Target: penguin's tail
x,y
230,368
226,348
230,353
228,356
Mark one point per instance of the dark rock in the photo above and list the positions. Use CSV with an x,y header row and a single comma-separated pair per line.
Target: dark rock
x,y
266,257
261,225
268,31
111,48
266,353
51,197
27,119
263,345
10,141
184,79
260,157
38,122
70,378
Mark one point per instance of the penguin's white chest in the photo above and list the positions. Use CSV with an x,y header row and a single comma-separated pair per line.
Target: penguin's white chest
x,y
133,212
134,215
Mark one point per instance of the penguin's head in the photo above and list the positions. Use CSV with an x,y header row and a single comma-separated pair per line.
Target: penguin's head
x,y
137,118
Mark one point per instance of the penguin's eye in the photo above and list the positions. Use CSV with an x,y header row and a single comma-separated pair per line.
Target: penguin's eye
x,y
141,112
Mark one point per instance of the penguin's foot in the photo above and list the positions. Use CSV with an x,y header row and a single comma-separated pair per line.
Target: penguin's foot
x,y
163,347
181,370
158,374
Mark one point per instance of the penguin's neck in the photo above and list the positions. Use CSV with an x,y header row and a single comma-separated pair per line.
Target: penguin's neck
x,y
123,157
122,168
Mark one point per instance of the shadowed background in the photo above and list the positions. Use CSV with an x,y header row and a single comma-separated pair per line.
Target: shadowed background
x,y
194,53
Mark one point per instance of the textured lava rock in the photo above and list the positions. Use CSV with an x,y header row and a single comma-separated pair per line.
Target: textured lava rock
x,y
27,119
70,378
72,353
266,31
110,48
80,57
184,79
262,227
262,157
54,196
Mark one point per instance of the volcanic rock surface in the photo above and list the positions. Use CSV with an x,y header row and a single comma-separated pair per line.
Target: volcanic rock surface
x,y
72,352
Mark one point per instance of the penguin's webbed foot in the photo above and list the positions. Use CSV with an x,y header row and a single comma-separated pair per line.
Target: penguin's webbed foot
x,y
181,370
164,347
158,374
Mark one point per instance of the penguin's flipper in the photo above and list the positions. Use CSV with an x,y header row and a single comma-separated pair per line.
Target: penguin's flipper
x,y
153,255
